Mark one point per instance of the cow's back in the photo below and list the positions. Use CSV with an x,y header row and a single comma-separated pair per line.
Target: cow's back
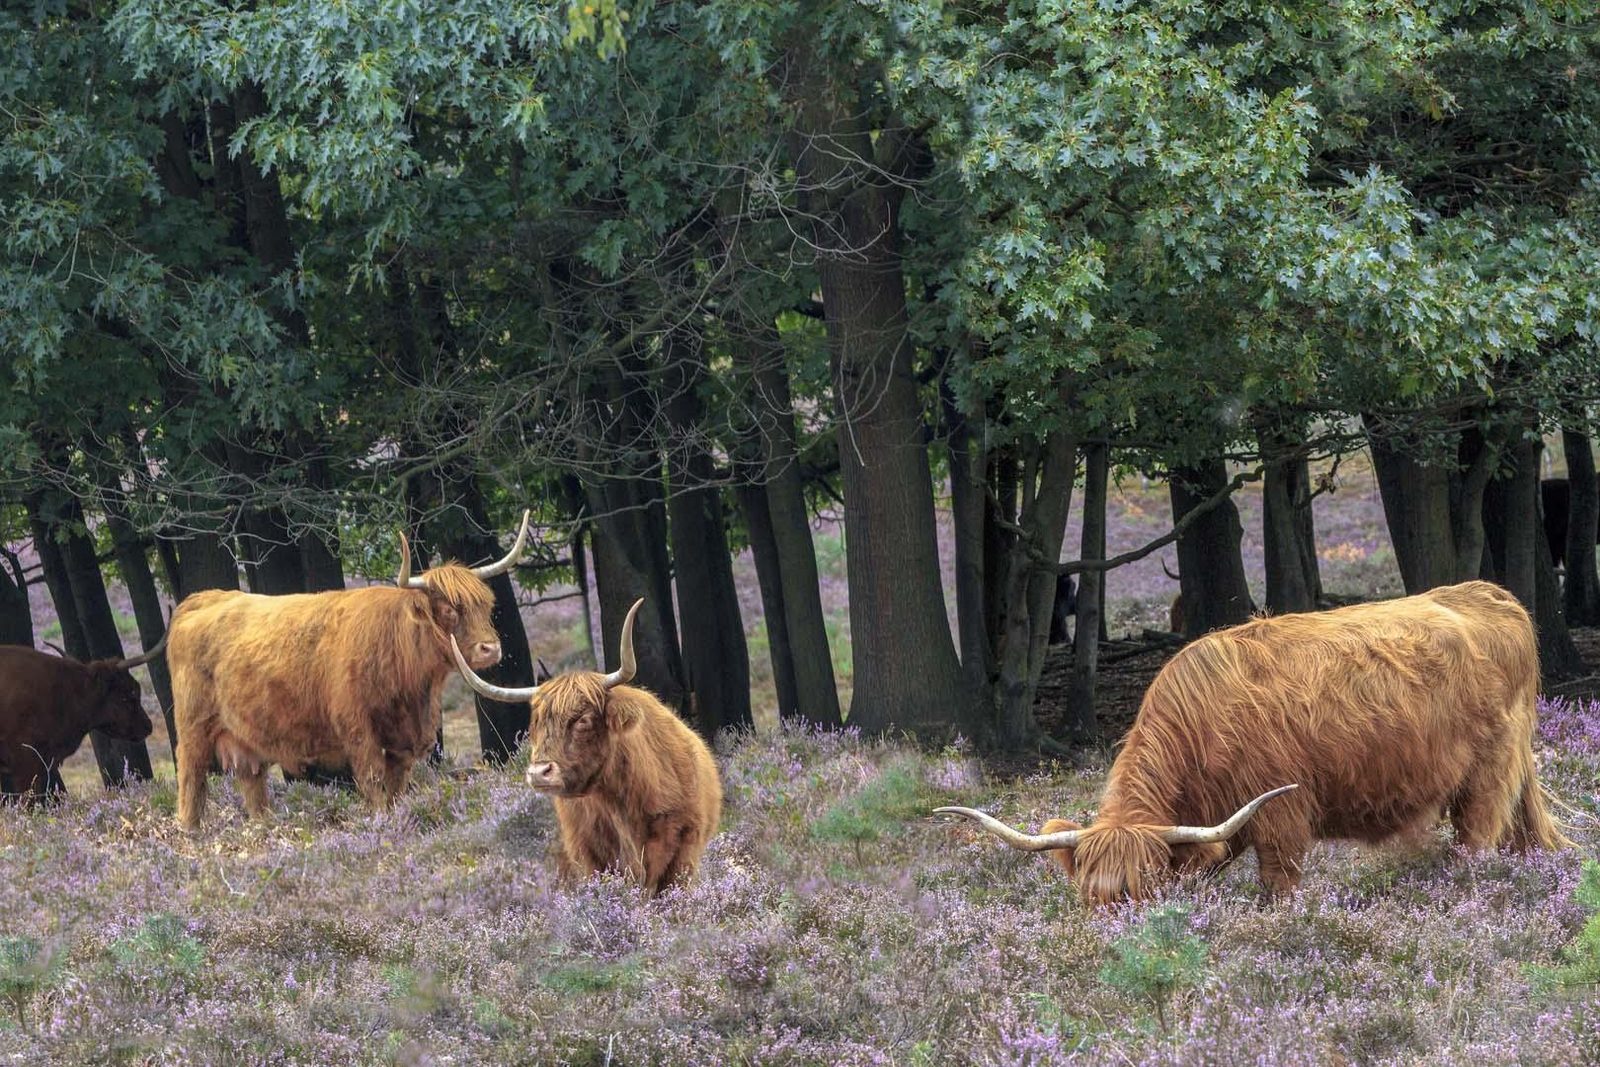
x,y
1379,711
277,671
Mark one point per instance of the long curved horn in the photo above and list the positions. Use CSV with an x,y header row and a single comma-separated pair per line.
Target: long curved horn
x,y
630,666
494,692
404,579
1205,835
145,657
1016,838
490,570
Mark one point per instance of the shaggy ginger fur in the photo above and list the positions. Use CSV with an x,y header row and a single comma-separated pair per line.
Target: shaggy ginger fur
x,y
343,678
635,789
1385,714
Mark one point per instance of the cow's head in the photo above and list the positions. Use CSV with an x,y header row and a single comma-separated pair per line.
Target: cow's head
x,y
575,722
1115,860
118,707
460,599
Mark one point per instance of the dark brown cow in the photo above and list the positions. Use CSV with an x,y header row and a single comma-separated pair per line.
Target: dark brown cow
x,y
1371,719
635,789
347,678
48,704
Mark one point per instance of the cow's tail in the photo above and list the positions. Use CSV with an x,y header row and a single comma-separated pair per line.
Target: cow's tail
x,y
1535,828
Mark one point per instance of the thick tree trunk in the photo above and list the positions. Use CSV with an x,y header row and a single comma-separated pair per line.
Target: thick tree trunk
x,y
630,561
968,505
1031,587
501,725
769,576
119,760
1522,530
1289,581
1091,597
999,514
1210,568
906,672
716,661
1305,525
134,563
1582,593
816,693
16,620
1435,511
57,579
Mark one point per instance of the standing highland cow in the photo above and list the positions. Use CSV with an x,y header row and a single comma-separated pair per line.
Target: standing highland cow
x,y
348,678
48,704
1382,714
635,789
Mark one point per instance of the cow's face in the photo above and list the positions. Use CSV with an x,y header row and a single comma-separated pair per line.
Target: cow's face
x,y
574,725
1112,863
463,606
120,713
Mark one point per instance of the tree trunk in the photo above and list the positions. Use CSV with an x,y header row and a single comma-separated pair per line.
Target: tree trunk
x,y
1434,511
968,505
906,672
1091,596
1210,568
501,725
999,514
119,760
134,563
1305,525
716,661
630,561
816,693
580,577
16,619
1031,586
1522,530
1582,594
1289,587
769,576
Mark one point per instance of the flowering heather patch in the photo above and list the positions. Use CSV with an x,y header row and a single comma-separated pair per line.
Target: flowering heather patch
x,y
835,922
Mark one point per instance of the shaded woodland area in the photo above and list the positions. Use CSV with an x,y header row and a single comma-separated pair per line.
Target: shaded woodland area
x,y
294,278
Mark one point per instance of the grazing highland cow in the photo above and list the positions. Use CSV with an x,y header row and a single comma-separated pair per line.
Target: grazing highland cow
x,y
635,789
1383,715
348,678
48,704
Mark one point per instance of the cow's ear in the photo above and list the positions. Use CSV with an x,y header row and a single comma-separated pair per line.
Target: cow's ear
x,y
1061,856
621,715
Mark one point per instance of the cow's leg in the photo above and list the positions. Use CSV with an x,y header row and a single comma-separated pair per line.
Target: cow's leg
x,y
368,766
671,853
194,763
1483,811
252,780
396,774
1280,865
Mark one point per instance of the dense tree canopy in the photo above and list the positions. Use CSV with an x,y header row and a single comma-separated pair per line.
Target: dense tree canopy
x,y
278,276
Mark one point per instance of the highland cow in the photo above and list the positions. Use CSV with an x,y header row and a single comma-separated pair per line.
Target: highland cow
x,y
347,678
48,704
1383,715
635,790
